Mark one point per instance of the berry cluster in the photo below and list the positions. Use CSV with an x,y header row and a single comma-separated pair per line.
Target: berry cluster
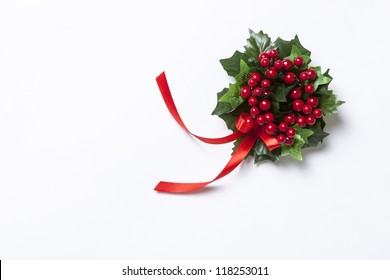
x,y
302,101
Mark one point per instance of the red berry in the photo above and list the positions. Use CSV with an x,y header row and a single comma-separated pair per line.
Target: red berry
x,y
258,91
254,111
256,76
267,92
265,83
273,53
252,101
289,118
301,121
265,105
264,62
312,101
312,74
252,82
317,113
263,55
271,73
281,138
306,109
296,93
248,124
278,64
287,64
260,120
289,141
245,92
283,126
298,61
303,76
309,88
289,78
310,120
269,117
297,105
271,128
290,132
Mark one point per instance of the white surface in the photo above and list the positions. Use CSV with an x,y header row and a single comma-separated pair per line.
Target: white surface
x,y
85,136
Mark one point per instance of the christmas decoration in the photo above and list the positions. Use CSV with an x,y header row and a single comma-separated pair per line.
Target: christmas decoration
x,y
275,108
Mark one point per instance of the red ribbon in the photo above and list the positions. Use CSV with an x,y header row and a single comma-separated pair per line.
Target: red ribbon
x,y
245,126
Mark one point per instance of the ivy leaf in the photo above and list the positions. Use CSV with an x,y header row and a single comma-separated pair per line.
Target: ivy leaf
x,y
256,44
322,79
284,47
303,132
262,152
232,64
329,103
243,76
222,107
318,135
295,149
232,96
296,52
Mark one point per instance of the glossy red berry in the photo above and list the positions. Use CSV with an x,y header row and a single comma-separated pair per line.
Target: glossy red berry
x,y
271,73
269,117
283,126
310,120
271,128
263,55
317,113
264,62
312,101
252,101
245,92
265,83
309,88
289,141
248,124
260,120
281,138
287,64
289,78
265,104
267,92
258,91
273,53
254,111
301,121
252,82
306,109
303,76
289,118
296,93
256,76
296,105
278,64
290,132
312,74
298,61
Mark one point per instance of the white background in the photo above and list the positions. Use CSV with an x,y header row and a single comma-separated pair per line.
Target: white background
x,y
85,135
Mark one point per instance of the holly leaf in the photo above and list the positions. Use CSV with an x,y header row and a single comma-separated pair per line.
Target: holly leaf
x,y
231,118
232,96
281,91
285,47
296,52
232,64
222,107
256,44
245,70
295,150
303,132
322,79
329,103
263,153
318,134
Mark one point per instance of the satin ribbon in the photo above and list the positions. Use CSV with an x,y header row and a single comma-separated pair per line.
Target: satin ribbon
x,y
251,131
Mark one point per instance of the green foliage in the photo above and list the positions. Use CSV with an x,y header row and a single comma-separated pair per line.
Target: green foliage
x,y
232,64
296,52
295,149
329,103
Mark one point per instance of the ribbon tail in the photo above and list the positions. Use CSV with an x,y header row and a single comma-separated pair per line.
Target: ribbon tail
x,y
237,157
167,96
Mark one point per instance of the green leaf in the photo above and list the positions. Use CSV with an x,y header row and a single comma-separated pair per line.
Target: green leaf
x,y
232,96
222,107
256,44
232,64
231,117
295,150
284,47
263,153
321,79
296,52
237,143
329,103
318,135
243,76
304,132
281,91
